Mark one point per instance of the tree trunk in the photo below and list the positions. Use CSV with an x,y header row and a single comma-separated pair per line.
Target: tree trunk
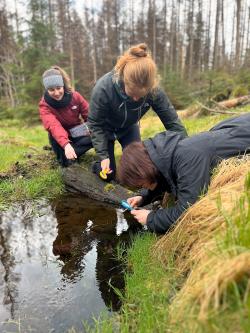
x,y
184,48
165,40
243,31
232,57
132,38
248,31
237,42
195,110
71,51
223,32
232,103
154,31
208,42
191,47
216,37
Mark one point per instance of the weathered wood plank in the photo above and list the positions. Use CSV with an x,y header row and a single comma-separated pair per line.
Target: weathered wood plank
x,y
78,179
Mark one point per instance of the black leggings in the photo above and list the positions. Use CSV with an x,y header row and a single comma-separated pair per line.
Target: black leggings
x,y
80,145
131,135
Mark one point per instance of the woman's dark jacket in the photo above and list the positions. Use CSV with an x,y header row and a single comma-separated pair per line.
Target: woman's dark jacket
x,y
185,165
112,112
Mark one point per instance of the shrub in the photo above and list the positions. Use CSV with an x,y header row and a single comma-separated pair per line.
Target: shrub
x,y
240,91
178,90
26,112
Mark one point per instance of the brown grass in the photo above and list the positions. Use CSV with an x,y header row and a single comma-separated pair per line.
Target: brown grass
x,y
193,244
205,286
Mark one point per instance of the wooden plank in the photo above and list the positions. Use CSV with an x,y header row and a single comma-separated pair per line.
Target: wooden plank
x,y
77,178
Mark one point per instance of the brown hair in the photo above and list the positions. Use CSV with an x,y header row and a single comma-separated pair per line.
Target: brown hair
x,y
137,68
135,167
66,79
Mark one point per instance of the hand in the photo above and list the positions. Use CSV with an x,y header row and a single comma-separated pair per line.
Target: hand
x,y
135,201
70,152
140,215
105,164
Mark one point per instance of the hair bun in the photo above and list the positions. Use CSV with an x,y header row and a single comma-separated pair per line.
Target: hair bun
x,y
140,50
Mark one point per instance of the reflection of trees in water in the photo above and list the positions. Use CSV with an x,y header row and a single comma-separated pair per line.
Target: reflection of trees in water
x,y
71,244
25,237
74,240
71,253
10,278
22,236
109,269
109,273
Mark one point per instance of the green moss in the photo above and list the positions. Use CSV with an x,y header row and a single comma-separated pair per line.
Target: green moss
x,y
109,187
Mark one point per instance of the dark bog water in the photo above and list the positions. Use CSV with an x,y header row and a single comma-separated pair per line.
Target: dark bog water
x,y
58,264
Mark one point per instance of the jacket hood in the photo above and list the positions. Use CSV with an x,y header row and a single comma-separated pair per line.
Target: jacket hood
x,y
161,150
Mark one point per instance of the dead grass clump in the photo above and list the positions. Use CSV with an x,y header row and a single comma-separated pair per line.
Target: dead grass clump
x,y
187,241
195,247
229,171
206,285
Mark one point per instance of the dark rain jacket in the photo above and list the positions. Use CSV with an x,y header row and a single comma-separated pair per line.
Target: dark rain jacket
x,y
186,164
112,112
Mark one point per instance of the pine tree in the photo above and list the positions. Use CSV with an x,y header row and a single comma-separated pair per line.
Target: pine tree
x,y
39,53
7,60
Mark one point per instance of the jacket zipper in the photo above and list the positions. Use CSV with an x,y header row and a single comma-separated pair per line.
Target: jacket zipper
x,y
126,113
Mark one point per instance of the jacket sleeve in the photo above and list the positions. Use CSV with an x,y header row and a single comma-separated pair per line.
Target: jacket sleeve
x,y
53,125
167,113
149,196
193,177
84,107
97,121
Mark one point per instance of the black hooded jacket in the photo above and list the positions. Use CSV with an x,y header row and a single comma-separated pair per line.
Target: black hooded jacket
x,y
112,112
186,165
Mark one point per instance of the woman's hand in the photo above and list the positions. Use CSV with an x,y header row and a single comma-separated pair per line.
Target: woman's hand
x,y
135,201
70,152
105,164
140,215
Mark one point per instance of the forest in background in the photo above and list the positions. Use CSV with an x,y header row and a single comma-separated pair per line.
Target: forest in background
x,y
201,47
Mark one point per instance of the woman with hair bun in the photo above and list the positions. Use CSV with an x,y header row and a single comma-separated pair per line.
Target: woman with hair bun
x,y
64,113
119,99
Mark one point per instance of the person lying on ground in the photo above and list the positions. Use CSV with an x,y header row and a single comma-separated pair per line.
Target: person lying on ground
x,y
64,114
181,166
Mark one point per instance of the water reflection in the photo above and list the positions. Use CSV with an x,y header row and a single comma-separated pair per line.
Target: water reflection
x,y
57,263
